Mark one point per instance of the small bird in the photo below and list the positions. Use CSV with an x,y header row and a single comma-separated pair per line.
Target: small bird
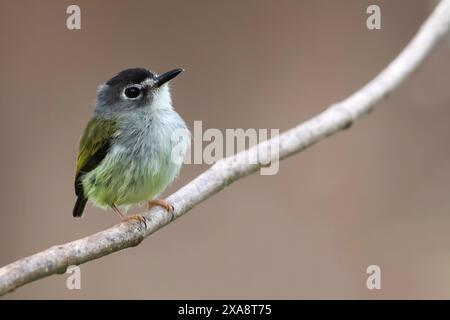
x,y
125,152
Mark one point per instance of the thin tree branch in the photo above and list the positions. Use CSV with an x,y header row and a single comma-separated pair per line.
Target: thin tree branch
x,y
336,118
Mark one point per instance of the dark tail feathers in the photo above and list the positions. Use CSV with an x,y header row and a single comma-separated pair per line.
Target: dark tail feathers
x,y
79,206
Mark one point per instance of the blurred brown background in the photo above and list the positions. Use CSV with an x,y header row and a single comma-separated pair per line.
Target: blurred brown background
x,y
375,194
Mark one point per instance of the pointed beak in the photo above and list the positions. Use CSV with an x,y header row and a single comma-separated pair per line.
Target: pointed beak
x,y
166,77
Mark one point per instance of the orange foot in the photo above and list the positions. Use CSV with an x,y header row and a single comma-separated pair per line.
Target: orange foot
x,y
161,203
137,217
124,217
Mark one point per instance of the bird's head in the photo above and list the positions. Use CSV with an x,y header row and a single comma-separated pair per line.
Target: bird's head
x,y
135,89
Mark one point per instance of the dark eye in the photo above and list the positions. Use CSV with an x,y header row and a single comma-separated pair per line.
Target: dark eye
x,y
132,92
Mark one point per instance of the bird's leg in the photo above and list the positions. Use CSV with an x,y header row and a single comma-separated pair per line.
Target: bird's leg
x,y
124,217
117,211
161,203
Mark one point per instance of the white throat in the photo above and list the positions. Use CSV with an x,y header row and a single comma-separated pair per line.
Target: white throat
x,y
161,99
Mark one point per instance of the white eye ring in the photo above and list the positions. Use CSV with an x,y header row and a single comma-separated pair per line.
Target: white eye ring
x,y
126,92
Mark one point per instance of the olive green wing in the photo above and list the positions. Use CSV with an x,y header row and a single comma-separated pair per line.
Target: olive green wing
x,y
94,146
